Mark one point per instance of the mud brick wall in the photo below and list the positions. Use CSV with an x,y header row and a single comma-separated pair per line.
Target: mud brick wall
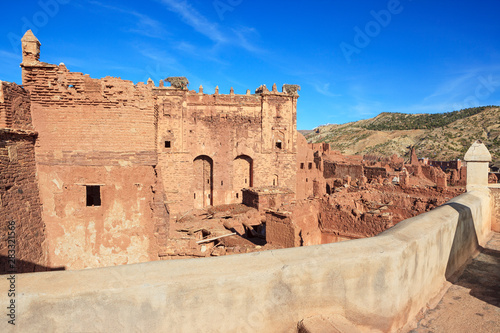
x,y
20,201
373,172
463,176
267,198
19,195
123,229
337,170
344,170
305,217
14,107
445,165
210,147
75,113
251,198
414,170
101,133
151,151
428,173
328,169
308,155
281,231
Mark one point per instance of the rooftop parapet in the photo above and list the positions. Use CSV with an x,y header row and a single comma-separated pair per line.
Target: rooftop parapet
x,y
288,89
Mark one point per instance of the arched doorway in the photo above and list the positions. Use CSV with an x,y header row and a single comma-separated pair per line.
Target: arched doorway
x,y
242,175
203,181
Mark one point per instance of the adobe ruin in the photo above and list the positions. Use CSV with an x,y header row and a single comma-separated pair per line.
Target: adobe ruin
x,y
114,161
104,172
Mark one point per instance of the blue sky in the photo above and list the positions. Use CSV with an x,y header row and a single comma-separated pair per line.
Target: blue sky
x,y
353,59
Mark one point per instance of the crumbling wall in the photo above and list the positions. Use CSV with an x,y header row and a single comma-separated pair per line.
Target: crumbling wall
x,y
446,165
309,166
264,198
281,230
368,212
95,135
14,107
227,130
20,208
339,170
374,172
305,216
118,230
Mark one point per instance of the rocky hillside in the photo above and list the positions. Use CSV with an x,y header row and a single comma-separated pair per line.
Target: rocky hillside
x,y
440,136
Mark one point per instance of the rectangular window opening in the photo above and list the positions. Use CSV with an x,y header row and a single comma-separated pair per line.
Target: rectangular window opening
x,y
310,166
278,145
168,144
302,165
93,195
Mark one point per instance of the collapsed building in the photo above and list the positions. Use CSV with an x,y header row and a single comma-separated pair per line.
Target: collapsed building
x,y
88,179
349,197
113,161
104,172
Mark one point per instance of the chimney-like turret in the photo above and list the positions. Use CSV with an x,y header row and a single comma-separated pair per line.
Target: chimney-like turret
x,y
31,49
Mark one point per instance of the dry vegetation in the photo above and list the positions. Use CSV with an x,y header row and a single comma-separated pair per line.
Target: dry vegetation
x,y
445,136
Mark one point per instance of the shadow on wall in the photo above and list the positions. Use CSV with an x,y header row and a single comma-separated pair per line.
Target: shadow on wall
x,y
465,241
482,274
22,266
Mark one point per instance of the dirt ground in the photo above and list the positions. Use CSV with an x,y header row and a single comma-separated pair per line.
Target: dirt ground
x,y
472,303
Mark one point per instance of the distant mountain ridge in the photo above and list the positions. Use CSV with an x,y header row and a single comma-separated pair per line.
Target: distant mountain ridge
x,y
438,136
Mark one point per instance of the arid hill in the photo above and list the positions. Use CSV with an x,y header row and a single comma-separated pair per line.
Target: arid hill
x,y
440,136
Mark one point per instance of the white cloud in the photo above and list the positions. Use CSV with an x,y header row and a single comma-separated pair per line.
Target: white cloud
x,y
462,84
239,37
10,55
144,25
194,19
324,89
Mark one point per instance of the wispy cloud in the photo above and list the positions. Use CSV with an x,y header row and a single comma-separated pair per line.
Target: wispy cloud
x,y
10,55
232,36
144,25
197,21
159,56
461,84
324,89
242,35
452,87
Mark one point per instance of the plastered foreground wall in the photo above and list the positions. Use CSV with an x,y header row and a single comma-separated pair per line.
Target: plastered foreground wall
x,y
380,282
